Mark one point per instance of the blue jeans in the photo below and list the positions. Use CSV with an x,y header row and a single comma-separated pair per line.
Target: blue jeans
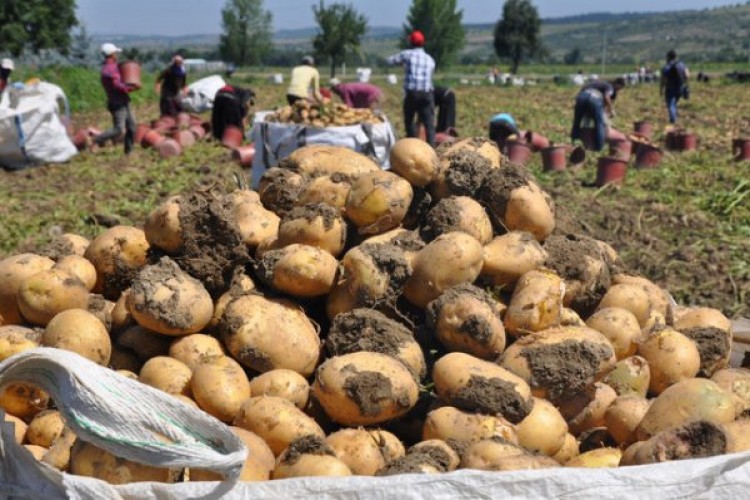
x,y
590,104
671,96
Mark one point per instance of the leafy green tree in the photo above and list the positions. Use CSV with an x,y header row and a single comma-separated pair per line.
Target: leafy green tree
x,y
517,33
440,21
246,37
340,31
80,47
36,25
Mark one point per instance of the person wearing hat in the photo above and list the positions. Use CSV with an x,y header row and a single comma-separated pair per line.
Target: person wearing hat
x,y
418,97
358,94
592,102
305,81
502,126
118,100
171,84
6,68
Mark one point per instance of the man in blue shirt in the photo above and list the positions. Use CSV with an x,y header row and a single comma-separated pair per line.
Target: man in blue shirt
x,y
418,98
592,102
674,77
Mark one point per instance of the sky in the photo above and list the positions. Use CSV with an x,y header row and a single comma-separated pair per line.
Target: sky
x,y
181,17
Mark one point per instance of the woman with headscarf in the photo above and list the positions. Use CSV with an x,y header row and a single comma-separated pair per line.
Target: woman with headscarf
x,y
305,82
171,84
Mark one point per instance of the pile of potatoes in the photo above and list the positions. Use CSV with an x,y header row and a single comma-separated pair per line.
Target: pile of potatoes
x,y
349,320
328,114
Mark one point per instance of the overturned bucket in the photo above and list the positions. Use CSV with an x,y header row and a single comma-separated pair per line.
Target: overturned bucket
x,y
151,139
232,137
244,155
184,137
536,141
168,148
643,128
741,149
611,170
553,158
620,148
518,152
648,156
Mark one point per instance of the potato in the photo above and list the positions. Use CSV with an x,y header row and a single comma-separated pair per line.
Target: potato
x,y
690,440
364,451
486,454
254,222
378,201
242,284
371,331
162,226
671,357
457,213
117,254
481,145
125,359
329,189
309,456
19,427
434,447
23,400
167,300
45,428
319,159
428,457
302,271
598,458
658,298
543,430
472,384
568,450
279,189
568,317
340,300
508,257
220,387
258,466
735,381
64,245
451,259
414,160
467,319
37,452
102,309
193,349
623,416
630,297
374,274
317,225
77,266
266,334
737,435
686,401
121,317
559,362
712,333
13,271
14,339
620,326
282,383
460,173
167,374
591,415
47,293
451,424
58,455
88,460
364,388
630,376
277,421
536,303
130,375
144,343
81,332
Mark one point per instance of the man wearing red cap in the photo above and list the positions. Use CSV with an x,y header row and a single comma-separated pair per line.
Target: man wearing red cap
x,y
418,98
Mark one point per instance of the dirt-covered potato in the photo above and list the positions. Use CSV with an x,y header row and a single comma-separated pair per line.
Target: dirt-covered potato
x,y
623,416
508,257
15,339
317,225
736,381
457,213
117,254
598,458
329,189
568,450
543,430
77,266
167,300
630,376
253,222
426,457
19,427
88,460
282,383
536,303
279,189
451,424
167,374
585,411
692,440
81,332
220,387
451,259
364,388
482,145
309,456
120,315
620,326
414,160
277,421
102,309
671,357
266,334
318,159
498,455
144,343
460,173
365,451
162,226
45,428
23,400
375,274
303,271
64,245
738,435
467,319
472,384
378,201
193,349
340,300
712,333
13,271
45,294
258,466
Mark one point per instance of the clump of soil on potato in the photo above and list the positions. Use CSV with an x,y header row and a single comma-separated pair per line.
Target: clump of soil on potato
x,y
465,172
164,274
98,307
408,241
366,330
254,359
326,212
120,280
475,326
278,194
713,346
57,249
496,189
442,218
390,260
492,396
593,439
420,204
412,462
694,440
368,389
307,445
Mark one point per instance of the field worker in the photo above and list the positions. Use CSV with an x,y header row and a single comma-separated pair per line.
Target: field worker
x,y
418,98
171,84
502,126
358,94
118,100
592,102
231,106
304,83
445,102
6,68
673,84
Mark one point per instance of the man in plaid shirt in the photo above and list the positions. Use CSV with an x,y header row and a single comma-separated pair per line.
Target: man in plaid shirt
x,y
418,98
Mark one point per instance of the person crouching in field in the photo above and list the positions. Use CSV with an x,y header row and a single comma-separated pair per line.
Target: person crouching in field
x,y
358,94
171,84
304,82
231,106
592,102
502,126
118,100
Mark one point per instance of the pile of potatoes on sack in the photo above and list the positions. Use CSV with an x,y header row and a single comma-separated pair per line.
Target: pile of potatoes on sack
x,y
328,114
349,320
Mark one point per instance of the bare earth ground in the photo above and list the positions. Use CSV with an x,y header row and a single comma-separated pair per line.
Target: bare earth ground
x,y
685,226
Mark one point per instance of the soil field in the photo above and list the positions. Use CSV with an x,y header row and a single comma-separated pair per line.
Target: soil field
x,y
686,225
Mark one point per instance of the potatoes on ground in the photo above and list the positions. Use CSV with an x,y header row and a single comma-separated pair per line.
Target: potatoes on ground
x,y
451,259
630,376
735,381
279,189
45,428
712,333
451,424
378,201
543,430
374,274
457,213
568,450
318,225
167,374
483,146
329,189
286,384
66,244
365,451
596,401
691,440
220,386
77,266
117,254
19,427
472,384
193,349
623,417
121,317
15,339
309,456
364,388
599,458
508,257
485,454
671,357
266,334
254,222
426,457
258,466
162,226
13,271
536,303
88,460
630,297
738,435
144,343
687,401
659,299
47,293
620,326
302,271
276,420
23,400
702,317
81,332
414,160
167,300
319,159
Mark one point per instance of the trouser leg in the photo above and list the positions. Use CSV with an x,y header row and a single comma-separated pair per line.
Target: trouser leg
x,y
409,112
118,126
447,115
600,123
671,99
129,129
578,113
426,112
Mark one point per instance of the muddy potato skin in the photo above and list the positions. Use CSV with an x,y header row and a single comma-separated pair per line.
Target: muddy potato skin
x,y
620,326
415,161
671,357
15,339
457,213
736,381
364,388
167,374
13,271
282,383
162,226
81,332
472,384
220,387
543,430
47,293
88,460
378,201
364,451
79,267
486,454
302,271
254,222
691,440
258,466
623,417
536,303
508,257
66,244
320,226
449,423
45,428
116,249
326,189
193,349
277,421
592,415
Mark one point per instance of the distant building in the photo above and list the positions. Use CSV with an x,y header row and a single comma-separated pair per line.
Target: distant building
x,y
201,65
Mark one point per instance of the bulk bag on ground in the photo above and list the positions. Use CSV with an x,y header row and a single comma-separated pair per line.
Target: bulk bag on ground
x,y
201,93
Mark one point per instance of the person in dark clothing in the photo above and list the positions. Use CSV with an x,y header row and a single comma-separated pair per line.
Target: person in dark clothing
x,y
502,126
592,102
118,101
673,84
171,84
445,101
6,68
231,106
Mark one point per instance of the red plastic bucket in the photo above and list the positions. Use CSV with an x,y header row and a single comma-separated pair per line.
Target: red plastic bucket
x,y
518,152
648,156
183,120
232,137
198,131
688,141
184,137
168,148
619,148
536,142
577,155
130,71
615,135
610,171
244,155
140,133
82,139
741,149
151,138
553,158
643,128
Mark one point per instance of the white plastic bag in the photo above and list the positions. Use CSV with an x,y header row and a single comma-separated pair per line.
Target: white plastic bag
x,y
200,94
